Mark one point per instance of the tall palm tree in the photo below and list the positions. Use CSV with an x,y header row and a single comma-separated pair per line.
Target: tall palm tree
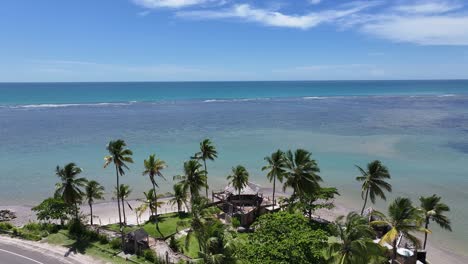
x,y
403,219
207,152
276,169
94,191
123,193
150,201
120,156
239,178
302,173
434,211
153,168
180,197
69,186
373,180
354,244
193,179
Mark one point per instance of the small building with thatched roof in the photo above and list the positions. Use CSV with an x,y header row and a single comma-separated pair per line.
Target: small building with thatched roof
x,y
245,204
136,241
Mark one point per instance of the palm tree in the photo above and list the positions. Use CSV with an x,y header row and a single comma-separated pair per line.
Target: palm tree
x,y
180,197
276,169
69,187
150,201
193,179
302,173
355,245
120,156
124,192
94,191
154,167
373,180
239,178
207,152
402,219
434,210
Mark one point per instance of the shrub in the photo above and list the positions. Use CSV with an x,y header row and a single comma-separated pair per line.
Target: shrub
x,y
5,226
174,244
76,228
149,255
235,222
103,239
115,243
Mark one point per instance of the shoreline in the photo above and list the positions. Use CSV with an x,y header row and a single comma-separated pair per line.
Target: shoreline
x,y
105,213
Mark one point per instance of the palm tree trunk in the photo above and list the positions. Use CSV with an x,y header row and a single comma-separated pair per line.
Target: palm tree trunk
x,y
425,233
123,210
76,211
394,251
365,202
91,211
155,195
206,179
118,205
274,188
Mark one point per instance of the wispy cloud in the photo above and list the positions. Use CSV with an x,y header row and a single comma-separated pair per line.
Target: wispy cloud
x,y
314,2
170,3
423,30
275,18
429,7
423,22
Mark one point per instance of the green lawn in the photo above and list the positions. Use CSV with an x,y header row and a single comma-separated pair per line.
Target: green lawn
x,y
193,249
167,225
94,249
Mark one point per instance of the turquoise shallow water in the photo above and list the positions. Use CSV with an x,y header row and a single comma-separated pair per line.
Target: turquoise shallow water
x,y
419,129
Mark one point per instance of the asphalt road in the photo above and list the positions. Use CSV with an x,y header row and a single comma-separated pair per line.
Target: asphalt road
x,y
11,254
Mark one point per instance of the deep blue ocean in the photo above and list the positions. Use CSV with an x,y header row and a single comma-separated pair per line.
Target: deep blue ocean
x,y
419,129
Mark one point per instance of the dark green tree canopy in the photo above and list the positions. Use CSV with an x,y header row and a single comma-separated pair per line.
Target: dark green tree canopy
x,y
284,238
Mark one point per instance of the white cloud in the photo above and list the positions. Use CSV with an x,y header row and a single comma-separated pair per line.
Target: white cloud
x,y
429,7
315,2
424,22
169,3
273,18
423,30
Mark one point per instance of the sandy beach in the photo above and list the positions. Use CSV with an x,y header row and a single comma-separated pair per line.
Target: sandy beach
x,y
105,213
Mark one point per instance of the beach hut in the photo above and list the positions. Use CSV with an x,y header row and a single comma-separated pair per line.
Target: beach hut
x,y
136,241
245,205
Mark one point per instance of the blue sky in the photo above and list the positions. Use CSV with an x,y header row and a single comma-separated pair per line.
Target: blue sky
x,y
183,40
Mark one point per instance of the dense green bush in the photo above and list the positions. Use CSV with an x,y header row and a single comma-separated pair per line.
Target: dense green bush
x,y
76,228
284,238
26,235
235,222
5,226
116,243
149,255
174,244
103,239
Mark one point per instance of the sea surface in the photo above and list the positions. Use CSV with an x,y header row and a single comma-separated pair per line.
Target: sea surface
x,y
419,129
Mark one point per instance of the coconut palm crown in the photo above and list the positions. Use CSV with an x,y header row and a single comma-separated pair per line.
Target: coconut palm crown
x,y
69,186
93,191
193,179
239,178
434,210
354,244
153,168
276,169
120,156
403,219
373,182
207,152
301,173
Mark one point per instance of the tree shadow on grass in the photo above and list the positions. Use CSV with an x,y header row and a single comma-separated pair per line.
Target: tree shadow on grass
x,y
79,246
